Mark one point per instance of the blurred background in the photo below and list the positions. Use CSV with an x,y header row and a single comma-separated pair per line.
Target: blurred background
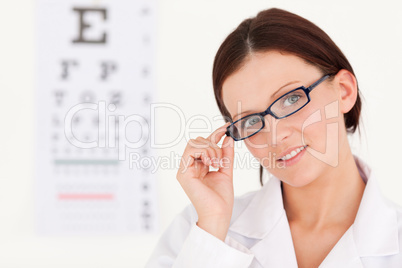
x,y
184,37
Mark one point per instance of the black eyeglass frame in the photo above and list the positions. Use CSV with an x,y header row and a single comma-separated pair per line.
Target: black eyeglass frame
x,y
268,110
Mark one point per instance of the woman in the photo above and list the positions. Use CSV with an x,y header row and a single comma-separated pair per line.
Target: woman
x,y
291,95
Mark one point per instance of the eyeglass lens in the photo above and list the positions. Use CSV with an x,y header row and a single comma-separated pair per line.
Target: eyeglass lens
x,y
282,107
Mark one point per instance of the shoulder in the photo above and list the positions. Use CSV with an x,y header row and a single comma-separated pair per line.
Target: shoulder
x,y
398,210
392,204
387,237
183,244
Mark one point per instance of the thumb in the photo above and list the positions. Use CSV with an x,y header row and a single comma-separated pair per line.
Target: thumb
x,y
227,156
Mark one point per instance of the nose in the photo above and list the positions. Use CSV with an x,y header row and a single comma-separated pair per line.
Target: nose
x,y
280,130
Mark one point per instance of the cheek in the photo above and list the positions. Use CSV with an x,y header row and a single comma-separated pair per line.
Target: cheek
x,y
264,156
324,133
258,146
259,141
313,125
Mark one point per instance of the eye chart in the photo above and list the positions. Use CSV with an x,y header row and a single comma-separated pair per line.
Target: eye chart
x,y
95,81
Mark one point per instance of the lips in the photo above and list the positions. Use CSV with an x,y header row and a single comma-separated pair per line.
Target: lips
x,y
291,152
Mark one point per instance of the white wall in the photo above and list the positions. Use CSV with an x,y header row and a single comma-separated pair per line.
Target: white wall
x,y
369,33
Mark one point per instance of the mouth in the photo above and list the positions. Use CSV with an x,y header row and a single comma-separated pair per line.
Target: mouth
x,y
291,153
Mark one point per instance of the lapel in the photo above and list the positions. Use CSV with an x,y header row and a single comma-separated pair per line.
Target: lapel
x,y
344,253
374,232
376,227
265,221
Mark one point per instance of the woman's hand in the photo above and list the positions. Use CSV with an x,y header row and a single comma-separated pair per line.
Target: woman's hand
x,y
211,192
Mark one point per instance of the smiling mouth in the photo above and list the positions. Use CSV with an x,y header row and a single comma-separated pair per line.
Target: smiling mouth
x,y
293,153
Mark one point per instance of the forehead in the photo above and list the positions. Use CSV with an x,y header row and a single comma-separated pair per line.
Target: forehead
x,y
262,74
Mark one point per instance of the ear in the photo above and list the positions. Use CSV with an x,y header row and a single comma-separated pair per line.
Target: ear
x,y
347,85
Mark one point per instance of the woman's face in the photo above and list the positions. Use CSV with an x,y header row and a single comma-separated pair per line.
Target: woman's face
x,y
318,128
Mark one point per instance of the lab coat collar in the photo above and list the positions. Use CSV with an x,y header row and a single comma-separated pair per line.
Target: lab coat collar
x,y
374,232
375,229
263,212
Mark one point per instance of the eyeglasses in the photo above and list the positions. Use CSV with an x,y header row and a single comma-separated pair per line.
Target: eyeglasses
x,y
284,106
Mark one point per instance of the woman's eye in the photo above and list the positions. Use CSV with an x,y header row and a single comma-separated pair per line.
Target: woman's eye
x,y
251,121
292,99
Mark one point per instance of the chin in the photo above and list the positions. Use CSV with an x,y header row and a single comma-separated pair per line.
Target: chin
x,y
297,181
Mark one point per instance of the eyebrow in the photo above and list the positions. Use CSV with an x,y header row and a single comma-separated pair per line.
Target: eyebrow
x,y
287,84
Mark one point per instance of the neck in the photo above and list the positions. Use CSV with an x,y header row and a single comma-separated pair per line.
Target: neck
x,y
333,198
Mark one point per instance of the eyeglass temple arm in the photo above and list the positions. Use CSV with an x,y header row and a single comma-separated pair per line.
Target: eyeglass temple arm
x,y
310,88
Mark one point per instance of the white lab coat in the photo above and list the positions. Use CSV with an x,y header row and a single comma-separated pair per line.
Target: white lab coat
x,y
259,234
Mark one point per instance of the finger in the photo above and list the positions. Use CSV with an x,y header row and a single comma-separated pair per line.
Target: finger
x,y
206,145
199,143
206,160
191,158
227,156
202,148
218,156
216,136
215,151
210,155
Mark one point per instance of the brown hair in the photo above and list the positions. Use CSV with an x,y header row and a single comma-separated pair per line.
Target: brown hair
x,y
277,29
